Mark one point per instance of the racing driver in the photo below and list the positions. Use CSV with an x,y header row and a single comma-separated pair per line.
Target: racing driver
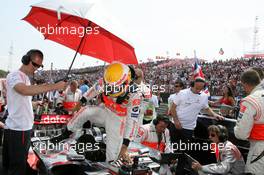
x,y
118,111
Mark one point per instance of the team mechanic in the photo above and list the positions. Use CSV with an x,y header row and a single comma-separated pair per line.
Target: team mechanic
x,y
118,111
156,136
250,124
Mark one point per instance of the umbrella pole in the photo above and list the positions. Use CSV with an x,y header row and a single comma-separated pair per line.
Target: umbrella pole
x,y
66,77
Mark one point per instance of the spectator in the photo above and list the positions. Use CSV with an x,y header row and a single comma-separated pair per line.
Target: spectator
x,y
155,101
84,87
227,102
217,73
178,86
20,118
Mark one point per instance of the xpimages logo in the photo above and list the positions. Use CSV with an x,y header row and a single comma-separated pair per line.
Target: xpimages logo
x,y
60,30
79,147
190,146
112,89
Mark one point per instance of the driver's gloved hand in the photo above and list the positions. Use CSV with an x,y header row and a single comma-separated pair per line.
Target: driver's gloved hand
x,y
66,134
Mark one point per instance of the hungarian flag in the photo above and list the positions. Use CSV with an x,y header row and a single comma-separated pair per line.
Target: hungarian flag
x,y
221,51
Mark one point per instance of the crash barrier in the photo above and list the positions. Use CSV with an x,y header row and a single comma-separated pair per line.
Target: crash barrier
x,y
225,110
233,113
225,119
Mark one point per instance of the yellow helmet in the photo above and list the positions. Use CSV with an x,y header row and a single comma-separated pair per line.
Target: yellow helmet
x,y
117,77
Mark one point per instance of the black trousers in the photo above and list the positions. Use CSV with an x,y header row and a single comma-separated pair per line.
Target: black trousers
x,y
181,136
15,151
1,136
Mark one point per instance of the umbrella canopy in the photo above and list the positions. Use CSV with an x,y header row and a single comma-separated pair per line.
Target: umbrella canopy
x,y
84,27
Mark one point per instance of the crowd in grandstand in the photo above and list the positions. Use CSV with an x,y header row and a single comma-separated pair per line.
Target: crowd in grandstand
x,y
217,73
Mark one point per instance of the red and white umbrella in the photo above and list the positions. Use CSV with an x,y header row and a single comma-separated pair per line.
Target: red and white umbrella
x,y
84,27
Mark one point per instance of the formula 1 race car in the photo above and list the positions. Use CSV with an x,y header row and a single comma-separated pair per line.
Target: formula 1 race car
x,y
86,155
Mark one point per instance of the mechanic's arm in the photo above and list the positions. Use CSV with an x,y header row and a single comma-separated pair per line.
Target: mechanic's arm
x,y
214,115
30,90
245,121
175,116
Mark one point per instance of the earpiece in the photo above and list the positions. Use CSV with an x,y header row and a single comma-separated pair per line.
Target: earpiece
x,y
25,59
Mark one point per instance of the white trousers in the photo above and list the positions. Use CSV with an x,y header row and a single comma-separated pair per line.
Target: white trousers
x,y
114,125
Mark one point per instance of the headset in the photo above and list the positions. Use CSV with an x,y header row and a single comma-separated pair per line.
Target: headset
x,y
156,122
223,133
161,118
198,80
28,57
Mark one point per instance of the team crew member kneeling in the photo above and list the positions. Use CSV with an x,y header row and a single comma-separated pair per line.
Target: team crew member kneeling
x,y
156,136
118,111
229,158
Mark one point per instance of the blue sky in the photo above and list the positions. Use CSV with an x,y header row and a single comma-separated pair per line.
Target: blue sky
x,y
155,27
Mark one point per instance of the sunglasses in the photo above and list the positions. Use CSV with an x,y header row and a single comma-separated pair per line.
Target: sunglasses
x,y
36,65
177,86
